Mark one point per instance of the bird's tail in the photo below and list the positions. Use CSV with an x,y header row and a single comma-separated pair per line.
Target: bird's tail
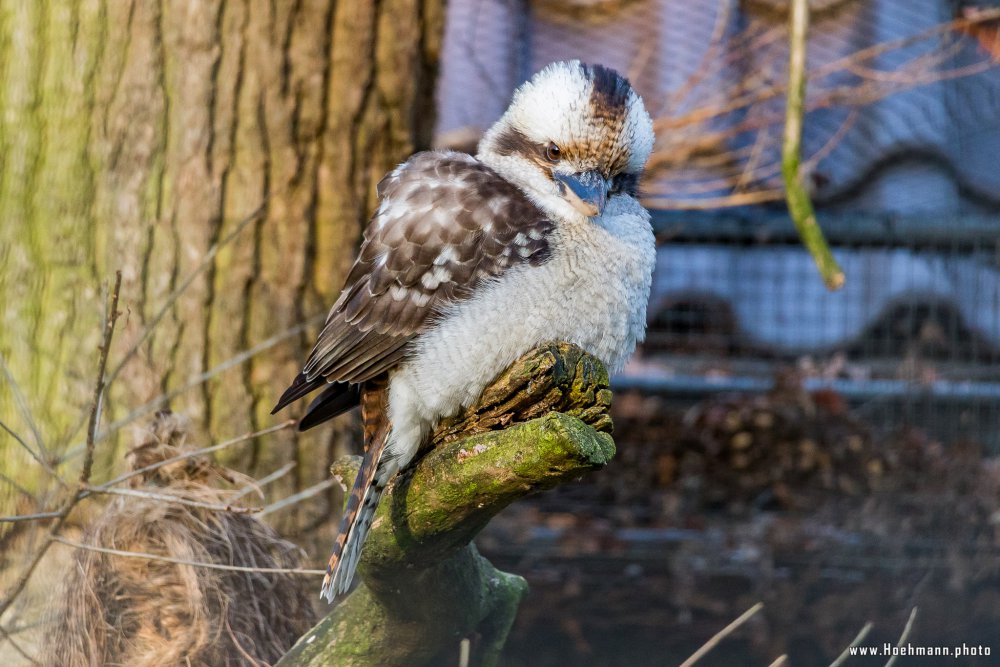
x,y
375,473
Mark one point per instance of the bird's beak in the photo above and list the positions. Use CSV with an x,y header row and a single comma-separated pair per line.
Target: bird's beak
x,y
587,192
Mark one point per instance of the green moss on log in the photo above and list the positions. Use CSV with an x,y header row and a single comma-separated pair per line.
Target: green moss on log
x,y
424,586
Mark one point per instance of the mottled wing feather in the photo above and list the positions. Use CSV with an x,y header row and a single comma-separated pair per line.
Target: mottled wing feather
x,y
446,222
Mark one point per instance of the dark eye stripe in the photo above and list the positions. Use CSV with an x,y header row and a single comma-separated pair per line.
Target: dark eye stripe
x,y
512,141
604,150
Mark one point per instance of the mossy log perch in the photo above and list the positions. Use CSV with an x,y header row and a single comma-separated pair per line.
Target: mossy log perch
x,y
424,587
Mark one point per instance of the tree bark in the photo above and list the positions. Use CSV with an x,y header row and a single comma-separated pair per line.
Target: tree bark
x,y
136,135
424,586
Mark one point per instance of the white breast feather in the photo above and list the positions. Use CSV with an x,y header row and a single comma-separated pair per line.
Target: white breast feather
x,y
592,292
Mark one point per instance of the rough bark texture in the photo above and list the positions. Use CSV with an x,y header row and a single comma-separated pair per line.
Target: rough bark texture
x,y
136,134
424,586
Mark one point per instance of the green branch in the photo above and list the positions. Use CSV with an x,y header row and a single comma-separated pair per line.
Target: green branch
x,y
424,586
799,205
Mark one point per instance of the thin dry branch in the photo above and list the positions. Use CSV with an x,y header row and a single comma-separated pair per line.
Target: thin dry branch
x,y
106,486
903,637
17,487
177,500
30,517
846,653
297,497
63,513
722,634
203,265
98,402
198,452
698,153
180,561
16,646
39,457
198,380
736,100
22,405
710,56
711,203
257,486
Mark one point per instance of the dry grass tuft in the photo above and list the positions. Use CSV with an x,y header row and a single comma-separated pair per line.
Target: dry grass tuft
x,y
145,613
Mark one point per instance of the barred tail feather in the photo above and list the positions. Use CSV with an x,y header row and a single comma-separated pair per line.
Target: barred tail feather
x,y
373,476
344,561
365,495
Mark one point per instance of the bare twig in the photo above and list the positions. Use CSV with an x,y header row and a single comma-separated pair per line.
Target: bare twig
x,y
298,497
722,634
109,329
95,408
736,100
39,457
842,658
25,627
199,452
203,265
881,48
709,203
17,647
197,380
177,500
780,661
22,406
257,485
799,205
696,147
903,637
708,58
180,561
30,517
17,487
101,488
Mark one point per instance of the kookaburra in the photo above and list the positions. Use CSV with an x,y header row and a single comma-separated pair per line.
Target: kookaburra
x,y
470,262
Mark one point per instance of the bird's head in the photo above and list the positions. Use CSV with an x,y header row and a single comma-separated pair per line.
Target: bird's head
x,y
573,136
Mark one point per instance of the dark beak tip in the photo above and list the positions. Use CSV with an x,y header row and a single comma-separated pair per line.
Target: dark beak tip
x,y
587,192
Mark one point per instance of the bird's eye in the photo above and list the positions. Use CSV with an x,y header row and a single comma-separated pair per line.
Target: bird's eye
x,y
552,152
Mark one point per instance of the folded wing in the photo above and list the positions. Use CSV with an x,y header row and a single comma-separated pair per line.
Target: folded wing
x,y
445,224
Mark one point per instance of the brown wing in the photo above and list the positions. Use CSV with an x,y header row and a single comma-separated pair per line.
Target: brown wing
x,y
446,222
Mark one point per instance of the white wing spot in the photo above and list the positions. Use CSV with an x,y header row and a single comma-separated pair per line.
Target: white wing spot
x,y
398,292
435,277
448,254
520,239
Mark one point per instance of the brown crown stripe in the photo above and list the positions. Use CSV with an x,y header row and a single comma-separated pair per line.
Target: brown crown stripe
x,y
609,97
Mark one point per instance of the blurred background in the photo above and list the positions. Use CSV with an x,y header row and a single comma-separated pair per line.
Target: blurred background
x,y
830,454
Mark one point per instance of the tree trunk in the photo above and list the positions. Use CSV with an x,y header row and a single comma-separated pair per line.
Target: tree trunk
x,y
136,135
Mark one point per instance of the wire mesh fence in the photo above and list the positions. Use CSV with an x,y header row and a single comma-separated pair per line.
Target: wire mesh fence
x,y
898,149
860,416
